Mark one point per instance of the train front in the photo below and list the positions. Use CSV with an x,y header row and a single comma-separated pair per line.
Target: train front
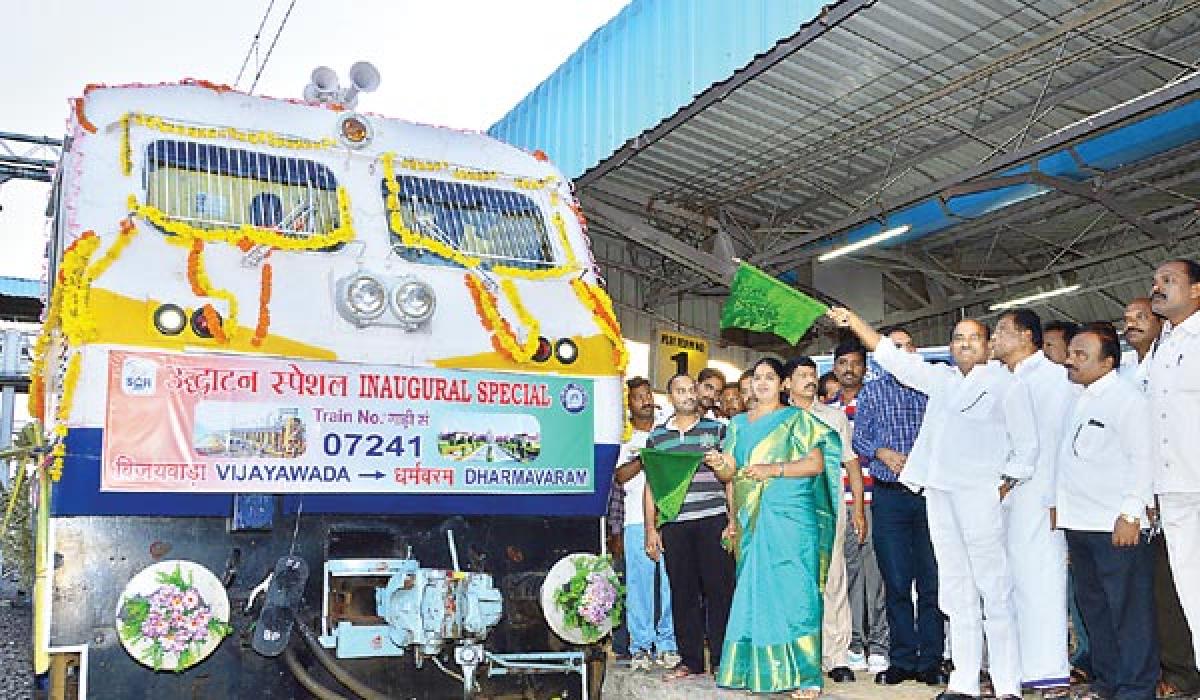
x,y
331,397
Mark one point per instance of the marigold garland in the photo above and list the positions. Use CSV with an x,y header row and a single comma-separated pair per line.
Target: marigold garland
x,y
627,429
213,321
264,312
62,414
68,314
267,138
202,286
504,340
126,150
344,232
598,302
82,118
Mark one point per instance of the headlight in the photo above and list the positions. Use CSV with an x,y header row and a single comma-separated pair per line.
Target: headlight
x,y
413,301
365,297
170,319
566,351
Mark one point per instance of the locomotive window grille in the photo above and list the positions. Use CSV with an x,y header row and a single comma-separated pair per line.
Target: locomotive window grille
x,y
214,187
499,227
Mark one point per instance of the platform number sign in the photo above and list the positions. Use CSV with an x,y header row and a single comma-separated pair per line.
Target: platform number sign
x,y
676,353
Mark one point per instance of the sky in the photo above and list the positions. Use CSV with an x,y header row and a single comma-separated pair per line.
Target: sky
x,y
460,63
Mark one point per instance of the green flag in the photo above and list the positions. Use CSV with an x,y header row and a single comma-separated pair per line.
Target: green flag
x,y
668,474
759,302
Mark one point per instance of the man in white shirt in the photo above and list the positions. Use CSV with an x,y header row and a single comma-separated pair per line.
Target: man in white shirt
x,y
1037,552
1142,328
651,637
1174,375
978,438
1105,486
837,622
1176,656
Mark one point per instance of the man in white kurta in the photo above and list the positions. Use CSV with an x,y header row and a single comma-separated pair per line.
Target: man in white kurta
x,y
1174,393
1037,551
978,438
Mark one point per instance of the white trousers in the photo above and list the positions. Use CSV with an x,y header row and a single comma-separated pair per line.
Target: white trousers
x,y
966,527
1037,557
836,621
1181,525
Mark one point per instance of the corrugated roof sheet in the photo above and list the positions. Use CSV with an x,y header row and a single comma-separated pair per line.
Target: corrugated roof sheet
x,y
20,287
641,67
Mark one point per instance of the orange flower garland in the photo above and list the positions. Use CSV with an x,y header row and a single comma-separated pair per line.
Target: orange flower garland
x,y
598,302
193,267
264,313
504,340
202,287
213,321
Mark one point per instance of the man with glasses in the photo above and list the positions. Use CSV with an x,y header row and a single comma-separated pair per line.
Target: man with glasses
x,y
1037,551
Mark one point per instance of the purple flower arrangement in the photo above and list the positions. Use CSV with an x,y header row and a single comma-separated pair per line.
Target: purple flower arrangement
x,y
174,619
592,597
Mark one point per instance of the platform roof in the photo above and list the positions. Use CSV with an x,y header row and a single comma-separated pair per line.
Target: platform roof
x,y
874,107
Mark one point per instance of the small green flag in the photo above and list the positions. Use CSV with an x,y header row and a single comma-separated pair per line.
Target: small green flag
x,y
759,302
668,475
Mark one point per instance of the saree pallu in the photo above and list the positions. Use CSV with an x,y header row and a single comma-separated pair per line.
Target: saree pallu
x,y
785,540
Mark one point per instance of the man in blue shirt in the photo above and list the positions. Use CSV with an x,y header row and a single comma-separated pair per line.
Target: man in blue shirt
x,y
885,427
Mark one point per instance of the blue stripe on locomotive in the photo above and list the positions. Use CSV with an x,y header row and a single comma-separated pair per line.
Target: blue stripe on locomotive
x,y
78,493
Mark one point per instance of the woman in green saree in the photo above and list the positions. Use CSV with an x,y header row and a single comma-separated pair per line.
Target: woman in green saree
x,y
785,467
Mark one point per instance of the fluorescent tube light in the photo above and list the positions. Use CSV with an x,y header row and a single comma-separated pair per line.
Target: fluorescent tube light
x,y
1040,296
868,241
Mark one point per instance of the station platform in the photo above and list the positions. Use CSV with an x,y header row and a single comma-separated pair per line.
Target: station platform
x,y
622,683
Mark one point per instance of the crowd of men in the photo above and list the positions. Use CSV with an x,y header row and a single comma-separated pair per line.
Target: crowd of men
x,y
1043,478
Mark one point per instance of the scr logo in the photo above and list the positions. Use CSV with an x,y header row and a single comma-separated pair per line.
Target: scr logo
x,y
139,377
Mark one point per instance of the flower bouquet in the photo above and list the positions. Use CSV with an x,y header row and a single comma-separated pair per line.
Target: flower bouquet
x,y
589,603
172,615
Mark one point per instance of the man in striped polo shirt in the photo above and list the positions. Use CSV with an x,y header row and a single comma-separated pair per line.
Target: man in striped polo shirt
x,y
691,544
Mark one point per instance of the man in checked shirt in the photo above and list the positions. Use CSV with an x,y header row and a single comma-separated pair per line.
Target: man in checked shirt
x,y
886,424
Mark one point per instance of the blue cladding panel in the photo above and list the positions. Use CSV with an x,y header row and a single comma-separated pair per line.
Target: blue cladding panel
x,y
1148,137
648,62
20,287
78,493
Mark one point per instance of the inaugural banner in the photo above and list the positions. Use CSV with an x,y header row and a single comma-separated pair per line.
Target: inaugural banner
x,y
246,424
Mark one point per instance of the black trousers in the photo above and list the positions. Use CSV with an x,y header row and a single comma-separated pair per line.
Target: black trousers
x,y
702,577
1115,590
1174,638
905,556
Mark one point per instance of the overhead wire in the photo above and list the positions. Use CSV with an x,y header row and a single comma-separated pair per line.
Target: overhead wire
x,y
253,43
271,48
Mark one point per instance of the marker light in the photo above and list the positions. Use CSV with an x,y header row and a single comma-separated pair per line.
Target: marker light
x,y
566,350
170,319
200,323
413,301
544,350
354,131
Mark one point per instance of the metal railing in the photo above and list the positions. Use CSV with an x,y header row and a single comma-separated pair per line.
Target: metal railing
x,y
496,225
209,186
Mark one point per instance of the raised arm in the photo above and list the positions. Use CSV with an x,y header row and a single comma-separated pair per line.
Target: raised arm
x,y
909,368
